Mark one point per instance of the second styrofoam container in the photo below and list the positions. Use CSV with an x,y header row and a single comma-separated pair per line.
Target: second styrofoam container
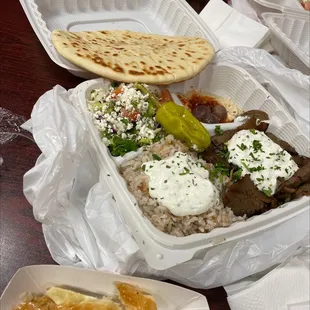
x,y
173,17
291,39
284,6
161,250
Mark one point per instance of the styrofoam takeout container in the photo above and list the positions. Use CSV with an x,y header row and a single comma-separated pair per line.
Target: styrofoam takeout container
x,y
290,37
284,6
36,279
173,17
161,250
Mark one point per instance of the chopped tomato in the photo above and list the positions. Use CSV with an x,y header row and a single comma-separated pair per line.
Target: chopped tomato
x,y
165,96
117,91
131,115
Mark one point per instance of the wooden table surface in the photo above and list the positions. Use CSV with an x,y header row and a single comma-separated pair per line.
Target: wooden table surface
x,y
26,73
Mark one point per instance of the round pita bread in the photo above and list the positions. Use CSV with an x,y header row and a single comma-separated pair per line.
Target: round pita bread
x,y
128,56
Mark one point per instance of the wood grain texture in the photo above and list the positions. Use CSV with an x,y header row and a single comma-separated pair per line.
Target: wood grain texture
x,y
26,73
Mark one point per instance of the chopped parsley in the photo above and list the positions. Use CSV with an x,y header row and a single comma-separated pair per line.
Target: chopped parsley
x,y
119,146
253,169
260,179
186,171
257,146
219,170
218,130
156,157
237,174
254,158
242,147
267,192
125,121
223,152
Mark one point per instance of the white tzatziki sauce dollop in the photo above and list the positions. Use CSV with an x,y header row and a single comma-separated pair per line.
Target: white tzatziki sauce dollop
x,y
181,184
256,154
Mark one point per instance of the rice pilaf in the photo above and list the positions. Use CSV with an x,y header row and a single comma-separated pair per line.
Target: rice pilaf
x,y
159,215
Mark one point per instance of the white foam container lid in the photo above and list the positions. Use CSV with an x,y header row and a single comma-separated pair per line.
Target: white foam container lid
x,y
284,6
161,250
36,279
173,17
291,39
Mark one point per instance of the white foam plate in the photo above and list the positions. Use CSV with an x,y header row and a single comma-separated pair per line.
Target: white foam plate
x,y
291,39
36,279
161,250
173,17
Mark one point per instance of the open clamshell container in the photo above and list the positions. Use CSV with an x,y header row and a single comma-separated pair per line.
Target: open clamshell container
x,y
284,6
290,37
36,279
161,250
174,17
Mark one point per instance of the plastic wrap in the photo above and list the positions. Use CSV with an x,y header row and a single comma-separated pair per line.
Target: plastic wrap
x,y
10,126
290,87
81,224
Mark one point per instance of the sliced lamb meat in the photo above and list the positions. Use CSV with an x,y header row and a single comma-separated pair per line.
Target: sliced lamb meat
x,y
257,114
285,146
213,155
301,160
244,198
303,190
251,123
288,189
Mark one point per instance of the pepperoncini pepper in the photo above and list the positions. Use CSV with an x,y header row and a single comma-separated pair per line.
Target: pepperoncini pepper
x,y
180,122
153,103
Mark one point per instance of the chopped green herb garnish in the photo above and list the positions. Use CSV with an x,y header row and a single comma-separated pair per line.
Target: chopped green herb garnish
x,y
253,131
219,170
254,169
267,192
237,174
218,131
254,158
257,146
119,146
156,157
223,152
168,167
186,171
260,179
242,147
125,121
